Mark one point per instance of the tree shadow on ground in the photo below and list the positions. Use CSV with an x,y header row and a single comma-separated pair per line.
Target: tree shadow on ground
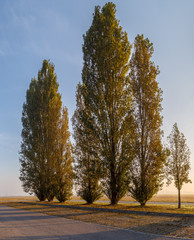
x,y
181,227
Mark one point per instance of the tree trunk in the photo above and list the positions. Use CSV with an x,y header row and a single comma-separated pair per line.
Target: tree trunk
x,y
143,204
114,194
179,198
114,198
113,187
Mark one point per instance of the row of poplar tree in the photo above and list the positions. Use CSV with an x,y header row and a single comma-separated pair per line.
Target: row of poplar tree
x,y
118,146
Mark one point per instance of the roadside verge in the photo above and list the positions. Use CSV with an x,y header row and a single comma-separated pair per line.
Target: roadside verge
x,y
164,214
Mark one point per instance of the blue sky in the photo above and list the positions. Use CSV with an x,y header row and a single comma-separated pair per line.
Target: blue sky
x,y
33,30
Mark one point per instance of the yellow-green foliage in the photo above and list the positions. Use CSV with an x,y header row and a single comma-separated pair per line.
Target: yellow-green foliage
x,y
147,167
41,120
64,173
105,114
178,164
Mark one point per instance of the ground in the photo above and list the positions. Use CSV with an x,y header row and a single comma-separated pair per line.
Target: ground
x,y
163,225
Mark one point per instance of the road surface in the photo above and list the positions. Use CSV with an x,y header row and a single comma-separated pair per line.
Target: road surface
x,y
17,224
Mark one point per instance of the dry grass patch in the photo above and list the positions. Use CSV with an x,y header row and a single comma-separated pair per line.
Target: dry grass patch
x,y
185,209
17,199
189,198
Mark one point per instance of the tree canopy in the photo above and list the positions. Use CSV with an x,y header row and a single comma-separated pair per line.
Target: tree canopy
x,y
41,120
106,97
146,171
178,165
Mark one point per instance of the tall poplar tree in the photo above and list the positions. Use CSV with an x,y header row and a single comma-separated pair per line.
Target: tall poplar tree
x,y
105,92
32,172
146,172
63,183
40,118
178,164
87,164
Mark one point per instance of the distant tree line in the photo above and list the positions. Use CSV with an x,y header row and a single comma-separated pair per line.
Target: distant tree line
x,y
117,123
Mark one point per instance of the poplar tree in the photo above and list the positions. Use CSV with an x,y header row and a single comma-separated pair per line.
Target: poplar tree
x,y
40,119
87,164
63,184
146,172
32,172
178,164
105,92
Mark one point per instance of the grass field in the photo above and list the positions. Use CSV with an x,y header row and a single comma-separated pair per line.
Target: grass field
x,y
187,198
19,198
161,208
